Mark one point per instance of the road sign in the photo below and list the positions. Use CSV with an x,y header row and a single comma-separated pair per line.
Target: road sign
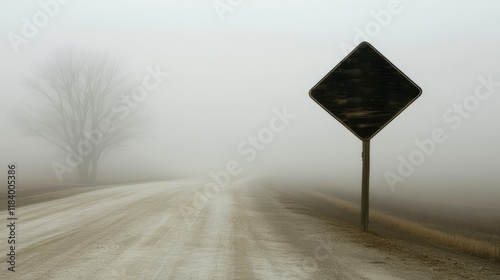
x,y
365,91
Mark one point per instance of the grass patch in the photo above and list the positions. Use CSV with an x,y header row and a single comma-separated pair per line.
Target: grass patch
x,y
476,247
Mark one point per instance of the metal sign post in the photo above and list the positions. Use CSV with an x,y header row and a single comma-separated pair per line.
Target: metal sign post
x,y
365,92
365,185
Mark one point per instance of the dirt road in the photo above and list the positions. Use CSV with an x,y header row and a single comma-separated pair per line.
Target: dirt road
x,y
167,230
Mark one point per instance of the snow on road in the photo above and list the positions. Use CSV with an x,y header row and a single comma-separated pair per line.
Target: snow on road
x,y
139,232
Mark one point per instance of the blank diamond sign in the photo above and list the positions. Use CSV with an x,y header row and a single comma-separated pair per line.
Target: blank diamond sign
x,y
364,92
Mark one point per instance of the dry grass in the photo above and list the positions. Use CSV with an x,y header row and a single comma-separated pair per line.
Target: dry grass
x,y
480,248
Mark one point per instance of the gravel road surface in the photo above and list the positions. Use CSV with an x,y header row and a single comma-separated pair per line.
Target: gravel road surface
x,y
171,230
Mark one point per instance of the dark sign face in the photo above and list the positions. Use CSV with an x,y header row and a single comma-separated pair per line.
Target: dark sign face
x,y
365,91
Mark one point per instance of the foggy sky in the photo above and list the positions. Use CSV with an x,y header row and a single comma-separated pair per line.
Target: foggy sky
x,y
227,74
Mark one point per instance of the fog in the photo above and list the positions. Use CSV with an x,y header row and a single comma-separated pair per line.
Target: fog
x,y
236,67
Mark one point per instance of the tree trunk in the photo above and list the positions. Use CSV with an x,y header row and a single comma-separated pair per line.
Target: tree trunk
x,y
93,169
83,171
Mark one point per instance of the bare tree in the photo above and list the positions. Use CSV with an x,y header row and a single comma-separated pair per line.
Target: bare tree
x,y
83,112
